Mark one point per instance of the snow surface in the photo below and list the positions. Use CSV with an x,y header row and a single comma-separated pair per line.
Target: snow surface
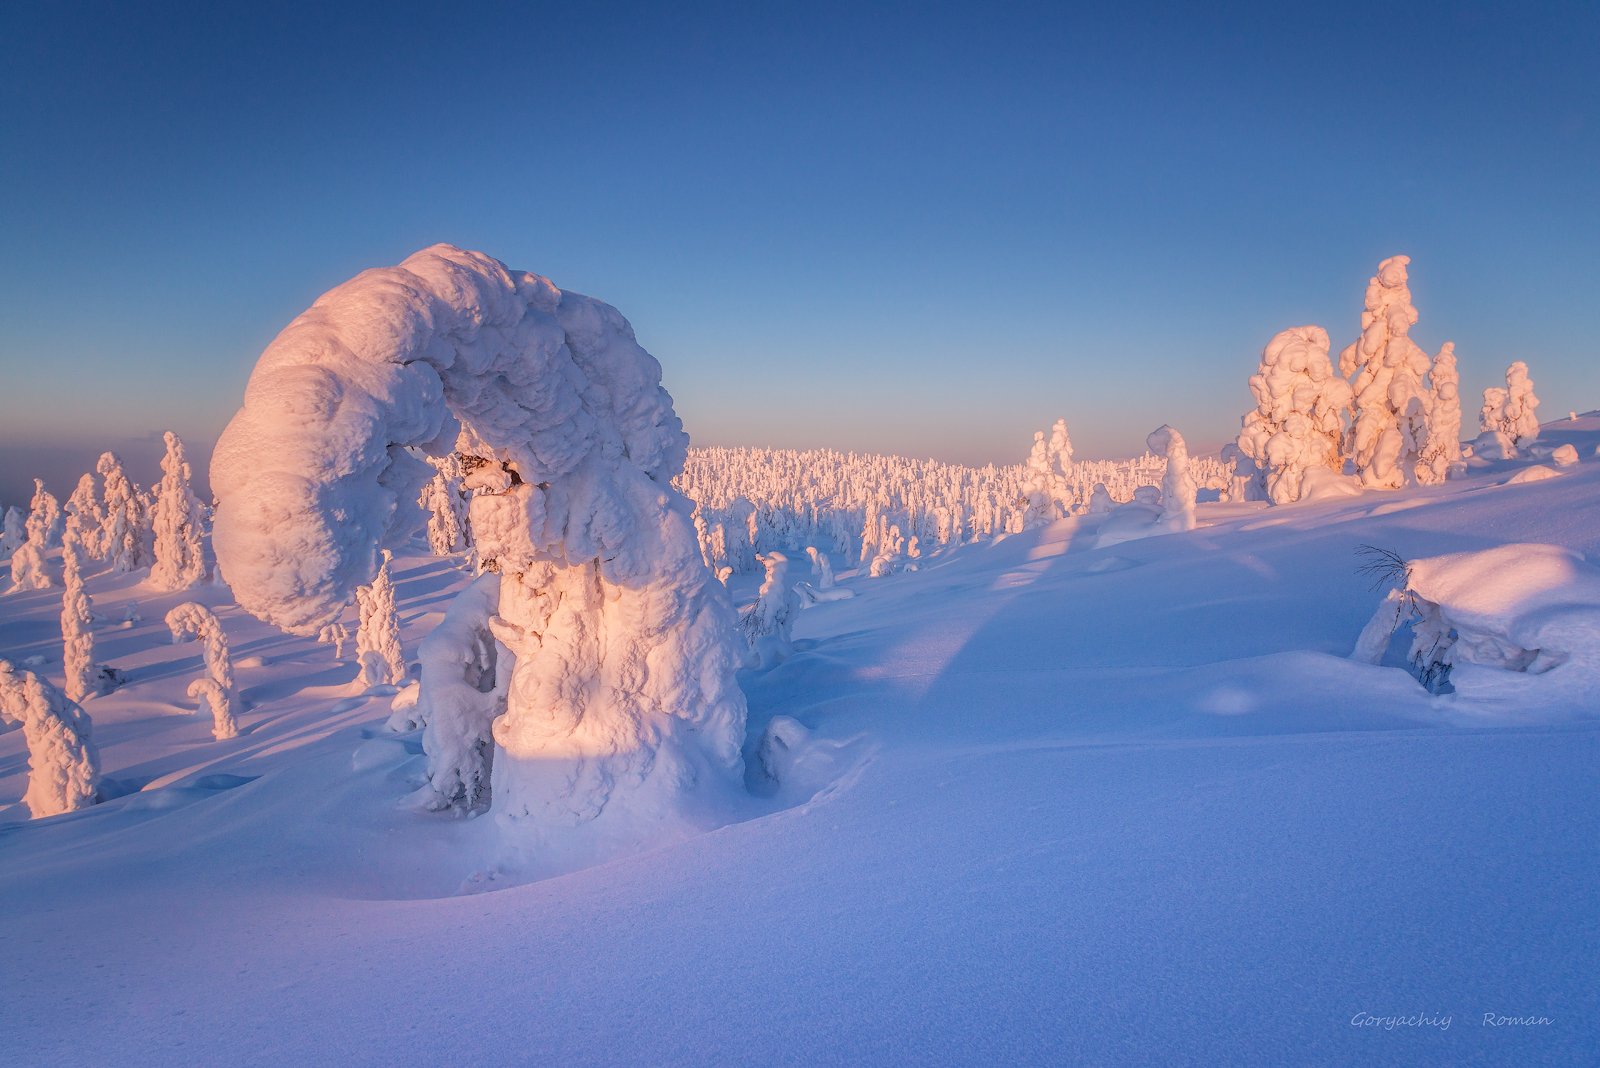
x,y
1036,802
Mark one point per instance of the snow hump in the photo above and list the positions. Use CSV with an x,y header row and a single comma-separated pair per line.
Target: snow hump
x,y
312,474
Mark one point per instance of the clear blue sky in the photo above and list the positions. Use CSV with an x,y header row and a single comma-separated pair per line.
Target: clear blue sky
x,y
891,227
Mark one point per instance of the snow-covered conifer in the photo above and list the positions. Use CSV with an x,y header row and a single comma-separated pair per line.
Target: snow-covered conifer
x,y
1444,424
1039,485
179,555
770,620
623,697
122,537
63,764
378,637
1298,421
1520,420
77,619
28,570
195,619
1177,485
334,634
821,566
1390,429
13,531
1100,500
84,504
444,500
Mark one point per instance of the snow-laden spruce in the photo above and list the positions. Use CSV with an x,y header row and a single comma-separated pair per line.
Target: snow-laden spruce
x,y
446,504
77,619
1178,488
623,704
28,569
769,623
1511,410
84,506
378,635
13,531
1443,452
63,764
124,538
1390,428
177,521
1298,421
214,690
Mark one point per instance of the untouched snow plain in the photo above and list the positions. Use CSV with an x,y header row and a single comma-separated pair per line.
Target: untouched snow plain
x,y
1041,802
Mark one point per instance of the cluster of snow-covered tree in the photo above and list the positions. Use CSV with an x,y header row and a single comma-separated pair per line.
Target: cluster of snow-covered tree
x,y
884,512
1391,414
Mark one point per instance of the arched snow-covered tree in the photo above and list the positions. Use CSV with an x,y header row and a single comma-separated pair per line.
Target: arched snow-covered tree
x,y
821,567
1177,485
63,764
195,619
378,636
1298,421
1390,428
77,619
623,701
179,554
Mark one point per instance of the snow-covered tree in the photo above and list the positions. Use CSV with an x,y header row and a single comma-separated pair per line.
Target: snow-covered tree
x,y
446,504
1444,424
1492,416
334,634
123,537
199,621
84,505
1298,421
179,554
13,531
63,764
378,637
1390,429
768,623
28,570
821,567
77,619
1520,419
1177,485
623,697
465,676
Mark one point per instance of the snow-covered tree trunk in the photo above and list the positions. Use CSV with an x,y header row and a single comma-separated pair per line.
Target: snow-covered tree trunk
x,y
77,619
378,637
63,764
465,676
1444,425
1390,430
179,554
1298,421
623,700
1178,489
195,619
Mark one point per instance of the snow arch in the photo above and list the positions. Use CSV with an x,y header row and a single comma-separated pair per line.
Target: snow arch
x,y
622,696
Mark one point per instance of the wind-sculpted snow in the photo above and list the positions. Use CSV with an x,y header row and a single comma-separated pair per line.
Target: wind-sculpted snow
x,y
623,640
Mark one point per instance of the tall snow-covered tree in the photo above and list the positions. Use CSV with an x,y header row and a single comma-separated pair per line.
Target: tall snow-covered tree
x,y
123,537
1178,488
768,623
214,690
1298,421
1444,424
77,619
28,569
13,531
1520,419
1390,428
63,764
84,504
623,699
378,636
179,550
445,501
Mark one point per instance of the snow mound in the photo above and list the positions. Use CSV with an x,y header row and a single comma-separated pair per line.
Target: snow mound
x,y
1536,473
1565,456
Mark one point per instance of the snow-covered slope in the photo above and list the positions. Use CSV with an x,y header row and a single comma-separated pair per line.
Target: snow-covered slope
x,y
1043,803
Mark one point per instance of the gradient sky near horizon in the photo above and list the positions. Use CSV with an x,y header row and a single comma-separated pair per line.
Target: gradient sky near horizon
x,y
905,228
